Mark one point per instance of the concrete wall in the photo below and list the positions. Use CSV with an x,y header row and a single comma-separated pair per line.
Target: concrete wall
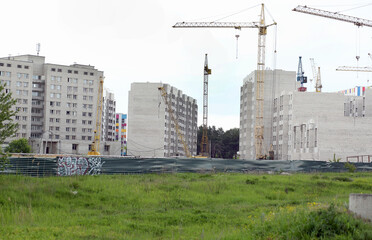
x,y
275,82
319,129
361,205
151,132
146,120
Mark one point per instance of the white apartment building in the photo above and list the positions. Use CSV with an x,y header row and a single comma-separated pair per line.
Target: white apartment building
x,y
57,103
151,131
275,81
108,116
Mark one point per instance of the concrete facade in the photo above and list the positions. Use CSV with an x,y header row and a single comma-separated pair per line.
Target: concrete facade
x,y
315,126
275,81
151,133
57,103
108,116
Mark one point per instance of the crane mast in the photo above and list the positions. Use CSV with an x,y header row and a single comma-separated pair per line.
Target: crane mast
x,y
204,149
97,131
316,76
262,31
177,127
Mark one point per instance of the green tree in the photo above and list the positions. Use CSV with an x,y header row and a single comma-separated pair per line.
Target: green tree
x,y
222,144
230,143
7,126
18,146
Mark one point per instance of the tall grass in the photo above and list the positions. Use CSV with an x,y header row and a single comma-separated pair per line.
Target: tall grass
x,y
180,206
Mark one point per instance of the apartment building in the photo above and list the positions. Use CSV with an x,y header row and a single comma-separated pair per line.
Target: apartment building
x,y
275,81
151,131
108,116
57,103
315,126
121,123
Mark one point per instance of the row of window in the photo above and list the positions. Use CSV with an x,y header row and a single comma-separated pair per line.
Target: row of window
x,y
72,80
71,71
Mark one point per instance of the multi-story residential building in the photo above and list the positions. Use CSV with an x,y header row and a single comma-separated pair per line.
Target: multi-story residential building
x,y
108,116
121,123
275,81
151,131
57,103
317,126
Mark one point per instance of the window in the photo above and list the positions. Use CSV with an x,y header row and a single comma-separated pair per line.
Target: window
x,y
59,70
107,148
69,71
73,137
58,120
76,72
67,137
67,129
51,104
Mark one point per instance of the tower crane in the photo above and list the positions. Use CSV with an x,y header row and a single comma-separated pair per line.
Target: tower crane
x,y
177,127
262,31
355,69
316,76
300,76
97,131
334,15
204,141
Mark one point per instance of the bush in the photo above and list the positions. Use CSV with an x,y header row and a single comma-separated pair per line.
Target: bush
x,y
18,146
351,167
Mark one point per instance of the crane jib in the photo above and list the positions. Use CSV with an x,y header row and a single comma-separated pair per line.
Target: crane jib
x,y
236,25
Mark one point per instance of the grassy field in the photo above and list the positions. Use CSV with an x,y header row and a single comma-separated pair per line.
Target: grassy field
x,y
182,206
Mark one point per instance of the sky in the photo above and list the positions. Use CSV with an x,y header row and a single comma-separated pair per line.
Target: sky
x,y
133,41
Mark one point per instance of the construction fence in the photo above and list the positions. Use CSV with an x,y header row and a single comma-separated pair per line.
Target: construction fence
x,y
93,165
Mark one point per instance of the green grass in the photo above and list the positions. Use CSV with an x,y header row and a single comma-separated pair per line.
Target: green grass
x,y
182,206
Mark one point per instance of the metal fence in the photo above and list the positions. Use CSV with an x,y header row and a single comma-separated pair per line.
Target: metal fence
x,y
91,165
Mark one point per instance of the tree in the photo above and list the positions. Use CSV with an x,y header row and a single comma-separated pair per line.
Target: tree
x,y
222,144
18,146
7,127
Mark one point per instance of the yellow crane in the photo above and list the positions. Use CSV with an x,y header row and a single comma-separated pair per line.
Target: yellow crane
x,y
97,131
316,76
262,31
175,121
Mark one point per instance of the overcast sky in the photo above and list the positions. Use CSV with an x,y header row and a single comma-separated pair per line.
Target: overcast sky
x,y
133,41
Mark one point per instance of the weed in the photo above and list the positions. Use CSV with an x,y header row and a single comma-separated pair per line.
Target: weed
x,y
251,181
289,189
343,179
350,167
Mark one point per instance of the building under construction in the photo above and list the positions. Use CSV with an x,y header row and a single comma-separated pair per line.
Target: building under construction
x,y
307,125
275,82
152,131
